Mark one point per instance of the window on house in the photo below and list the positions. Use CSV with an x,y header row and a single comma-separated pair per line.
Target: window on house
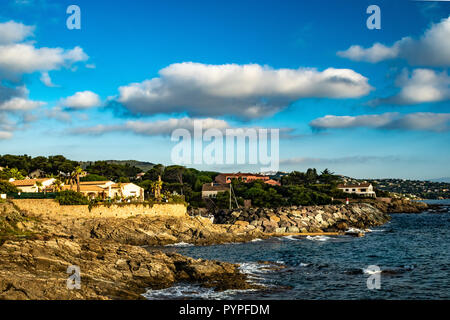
x,y
346,189
353,190
363,190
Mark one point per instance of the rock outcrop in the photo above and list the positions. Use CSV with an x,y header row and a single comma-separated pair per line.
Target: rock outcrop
x,y
38,270
401,206
35,253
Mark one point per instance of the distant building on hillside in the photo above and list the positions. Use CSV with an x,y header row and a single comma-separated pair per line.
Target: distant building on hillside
x,y
225,178
38,173
363,189
210,190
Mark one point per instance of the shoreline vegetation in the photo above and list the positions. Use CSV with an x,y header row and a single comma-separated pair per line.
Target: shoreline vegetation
x,y
36,251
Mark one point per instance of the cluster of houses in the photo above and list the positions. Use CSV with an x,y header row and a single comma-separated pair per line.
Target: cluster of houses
x,y
90,189
222,181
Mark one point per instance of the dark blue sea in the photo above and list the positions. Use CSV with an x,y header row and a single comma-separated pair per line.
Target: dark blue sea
x,y
412,252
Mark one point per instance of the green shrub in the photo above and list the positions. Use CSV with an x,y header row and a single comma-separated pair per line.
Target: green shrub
x,y
71,197
6,187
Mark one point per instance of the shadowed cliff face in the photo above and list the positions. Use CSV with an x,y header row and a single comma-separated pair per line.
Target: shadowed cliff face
x,y
35,255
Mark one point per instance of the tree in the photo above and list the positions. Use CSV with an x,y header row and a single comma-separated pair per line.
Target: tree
x,y
39,185
175,174
154,172
57,185
76,176
6,187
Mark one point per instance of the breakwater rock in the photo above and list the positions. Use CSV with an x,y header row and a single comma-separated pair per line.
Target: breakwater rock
x,y
327,218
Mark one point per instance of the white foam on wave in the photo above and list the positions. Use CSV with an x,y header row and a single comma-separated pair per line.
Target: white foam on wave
x,y
291,238
355,230
304,264
191,292
257,240
371,271
318,238
179,244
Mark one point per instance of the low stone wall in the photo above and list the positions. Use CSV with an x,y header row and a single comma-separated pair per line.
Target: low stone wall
x,y
328,218
50,207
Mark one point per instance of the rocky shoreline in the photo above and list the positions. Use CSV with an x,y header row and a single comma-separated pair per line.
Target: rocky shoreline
x,y
308,219
35,251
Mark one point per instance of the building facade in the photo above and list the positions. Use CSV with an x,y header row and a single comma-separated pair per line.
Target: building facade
x,y
364,189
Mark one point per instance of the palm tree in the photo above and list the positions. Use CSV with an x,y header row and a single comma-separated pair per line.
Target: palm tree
x,y
58,185
39,185
76,176
156,188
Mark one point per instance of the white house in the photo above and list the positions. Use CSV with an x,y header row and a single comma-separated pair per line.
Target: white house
x,y
125,191
113,190
101,184
363,189
31,185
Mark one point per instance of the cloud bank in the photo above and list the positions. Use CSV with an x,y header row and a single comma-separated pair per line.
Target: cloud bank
x,y
423,121
246,91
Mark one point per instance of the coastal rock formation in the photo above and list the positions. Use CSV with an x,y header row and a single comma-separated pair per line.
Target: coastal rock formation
x,y
401,206
327,218
38,270
35,253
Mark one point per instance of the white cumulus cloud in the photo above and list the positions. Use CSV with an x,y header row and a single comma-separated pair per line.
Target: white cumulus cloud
x,y
421,86
20,104
247,91
12,32
431,49
81,100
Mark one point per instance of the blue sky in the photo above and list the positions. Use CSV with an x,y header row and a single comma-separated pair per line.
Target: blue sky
x,y
382,110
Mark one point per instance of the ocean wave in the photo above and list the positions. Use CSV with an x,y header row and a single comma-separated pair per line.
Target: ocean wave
x,y
318,238
191,292
257,240
179,244
371,271
291,238
304,264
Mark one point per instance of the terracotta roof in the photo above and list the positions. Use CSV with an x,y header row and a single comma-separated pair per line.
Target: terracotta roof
x,y
84,188
94,182
28,182
241,174
216,187
116,185
362,185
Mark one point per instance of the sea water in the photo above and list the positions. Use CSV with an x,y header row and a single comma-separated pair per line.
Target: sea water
x,y
412,251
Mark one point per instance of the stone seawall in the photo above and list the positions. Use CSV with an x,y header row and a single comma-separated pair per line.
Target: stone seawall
x,y
49,207
327,218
